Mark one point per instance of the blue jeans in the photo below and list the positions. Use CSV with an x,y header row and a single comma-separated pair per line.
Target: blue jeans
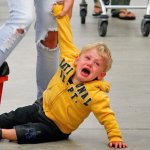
x,y
21,17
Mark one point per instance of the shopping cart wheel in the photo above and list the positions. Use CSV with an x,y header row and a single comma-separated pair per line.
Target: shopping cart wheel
x,y
102,28
145,25
102,25
83,11
145,29
83,16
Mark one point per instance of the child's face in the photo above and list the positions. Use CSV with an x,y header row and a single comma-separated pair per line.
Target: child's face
x,y
89,66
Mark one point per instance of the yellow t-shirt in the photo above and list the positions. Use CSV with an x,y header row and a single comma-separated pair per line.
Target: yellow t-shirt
x,y
68,104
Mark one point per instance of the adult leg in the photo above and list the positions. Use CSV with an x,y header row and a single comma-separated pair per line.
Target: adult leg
x,y
119,2
97,8
47,52
13,30
122,13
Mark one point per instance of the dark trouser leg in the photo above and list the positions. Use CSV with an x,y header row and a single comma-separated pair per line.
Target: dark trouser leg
x,y
38,132
119,2
21,115
31,125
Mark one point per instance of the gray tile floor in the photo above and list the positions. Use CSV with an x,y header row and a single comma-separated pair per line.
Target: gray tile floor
x,y
129,77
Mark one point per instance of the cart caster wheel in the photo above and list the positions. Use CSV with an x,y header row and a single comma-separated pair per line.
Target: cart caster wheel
x,y
83,16
83,11
82,20
102,28
145,28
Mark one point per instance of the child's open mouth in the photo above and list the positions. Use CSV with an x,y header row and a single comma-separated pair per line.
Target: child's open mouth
x,y
85,72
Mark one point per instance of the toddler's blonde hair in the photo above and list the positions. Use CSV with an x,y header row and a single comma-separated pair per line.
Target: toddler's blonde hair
x,y
103,51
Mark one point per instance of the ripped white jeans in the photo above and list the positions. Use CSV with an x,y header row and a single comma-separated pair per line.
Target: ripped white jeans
x,y
21,17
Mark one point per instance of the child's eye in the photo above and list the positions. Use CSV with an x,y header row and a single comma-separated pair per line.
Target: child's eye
x,y
97,64
87,57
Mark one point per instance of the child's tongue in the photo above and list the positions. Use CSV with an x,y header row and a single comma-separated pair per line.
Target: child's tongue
x,y
85,72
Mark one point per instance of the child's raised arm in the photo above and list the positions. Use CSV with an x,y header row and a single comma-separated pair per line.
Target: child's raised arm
x,y
67,47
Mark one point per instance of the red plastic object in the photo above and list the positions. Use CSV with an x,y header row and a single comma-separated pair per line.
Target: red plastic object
x,y
2,79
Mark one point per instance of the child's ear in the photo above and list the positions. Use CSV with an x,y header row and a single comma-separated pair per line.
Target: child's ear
x,y
76,60
101,76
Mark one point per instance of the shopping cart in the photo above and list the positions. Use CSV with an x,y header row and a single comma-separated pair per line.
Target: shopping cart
x,y
4,71
103,18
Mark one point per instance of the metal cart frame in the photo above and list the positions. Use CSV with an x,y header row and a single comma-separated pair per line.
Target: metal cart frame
x,y
103,18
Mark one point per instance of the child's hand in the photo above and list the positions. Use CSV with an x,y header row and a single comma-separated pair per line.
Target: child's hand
x,y
117,145
62,14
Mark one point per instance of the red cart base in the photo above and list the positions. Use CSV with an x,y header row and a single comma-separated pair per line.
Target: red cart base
x,y
2,79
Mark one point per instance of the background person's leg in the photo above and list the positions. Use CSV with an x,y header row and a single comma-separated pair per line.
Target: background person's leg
x,y
47,55
97,8
119,2
13,30
122,13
